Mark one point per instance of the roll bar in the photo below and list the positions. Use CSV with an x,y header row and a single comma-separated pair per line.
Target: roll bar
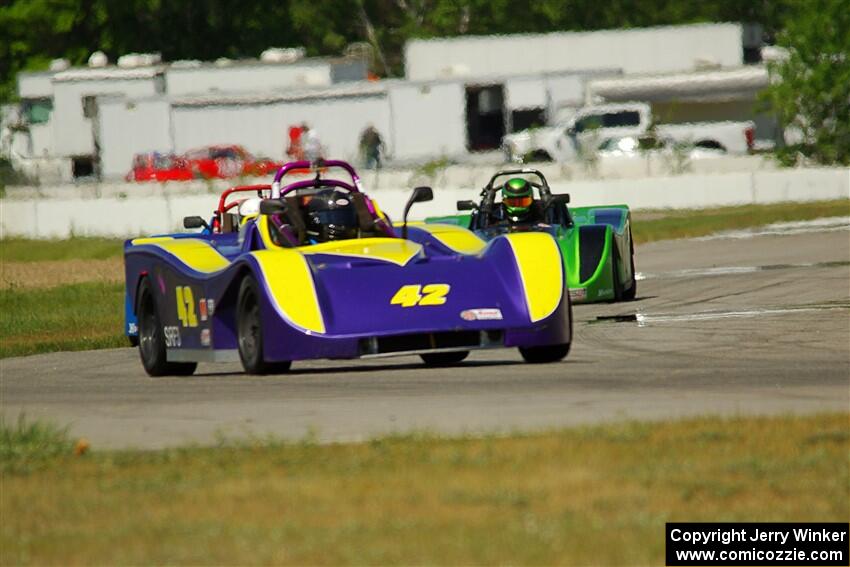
x,y
238,189
543,186
318,166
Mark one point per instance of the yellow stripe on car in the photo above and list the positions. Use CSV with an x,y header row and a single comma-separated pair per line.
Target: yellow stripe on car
x,y
457,238
195,253
541,271
264,227
291,287
394,250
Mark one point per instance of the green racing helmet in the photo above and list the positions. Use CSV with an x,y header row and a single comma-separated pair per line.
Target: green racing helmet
x,y
517,196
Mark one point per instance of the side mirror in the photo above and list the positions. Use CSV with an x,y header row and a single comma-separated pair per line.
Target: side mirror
x,y
466,205
562,199
272,207
195,222
420,195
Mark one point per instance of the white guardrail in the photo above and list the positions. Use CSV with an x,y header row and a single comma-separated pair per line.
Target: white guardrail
x,y
128,210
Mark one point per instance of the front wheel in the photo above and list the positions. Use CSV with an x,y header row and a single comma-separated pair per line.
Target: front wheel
x,y
151,339
444,358
250,332
544,354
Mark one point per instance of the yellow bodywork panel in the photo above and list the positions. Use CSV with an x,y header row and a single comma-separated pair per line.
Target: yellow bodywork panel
x,y
541,270
457,238
290,283
393,250
197,254
151,240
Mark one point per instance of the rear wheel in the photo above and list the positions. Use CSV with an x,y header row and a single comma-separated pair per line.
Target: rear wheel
x,y
544,354
152,339
444,358
250,331
630,293
615,273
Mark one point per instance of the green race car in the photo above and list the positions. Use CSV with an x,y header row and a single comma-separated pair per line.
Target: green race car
x,y
596,242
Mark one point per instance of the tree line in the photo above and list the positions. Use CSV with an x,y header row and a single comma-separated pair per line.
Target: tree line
x,y
33,32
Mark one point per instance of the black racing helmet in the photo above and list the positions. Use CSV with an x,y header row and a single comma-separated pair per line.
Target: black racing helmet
x,y
331,216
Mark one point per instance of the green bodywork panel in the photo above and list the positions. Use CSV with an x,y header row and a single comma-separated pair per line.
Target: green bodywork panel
x,y
608,229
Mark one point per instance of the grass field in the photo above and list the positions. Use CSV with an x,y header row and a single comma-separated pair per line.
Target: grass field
x,y
77,248
592,495
66,295
665,225
69,317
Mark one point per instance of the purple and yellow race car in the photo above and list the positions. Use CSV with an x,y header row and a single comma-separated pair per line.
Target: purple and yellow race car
x,y
314,269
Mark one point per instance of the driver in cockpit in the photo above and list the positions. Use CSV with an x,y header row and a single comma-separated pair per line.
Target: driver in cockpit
x,y
330,215
518,203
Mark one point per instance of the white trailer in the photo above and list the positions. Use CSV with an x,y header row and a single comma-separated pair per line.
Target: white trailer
x,y
644,50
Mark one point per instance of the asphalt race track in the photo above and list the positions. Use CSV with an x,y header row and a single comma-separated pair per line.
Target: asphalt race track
x,y
728,326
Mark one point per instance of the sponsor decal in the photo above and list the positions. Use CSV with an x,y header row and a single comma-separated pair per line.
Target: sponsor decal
x,y
210,307
205,337
133,329
342,202
172,336
486,314
578,293
202,308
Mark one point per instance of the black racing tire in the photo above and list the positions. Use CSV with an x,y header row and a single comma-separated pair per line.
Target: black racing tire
x,y
545,354
151,338
615,273
249,331
630,293
444,358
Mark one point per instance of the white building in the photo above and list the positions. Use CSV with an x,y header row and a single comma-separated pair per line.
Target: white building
x,y
419,120
75,111
60,116
633,51
226,76
460,95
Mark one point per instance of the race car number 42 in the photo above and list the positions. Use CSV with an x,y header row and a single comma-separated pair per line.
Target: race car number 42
x,y
419,295
186,306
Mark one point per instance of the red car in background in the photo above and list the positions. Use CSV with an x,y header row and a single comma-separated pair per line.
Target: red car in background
x,y
154,166
228,161
209,162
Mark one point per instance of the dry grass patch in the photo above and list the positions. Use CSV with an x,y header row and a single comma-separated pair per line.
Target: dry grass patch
x,y
53,273
597,495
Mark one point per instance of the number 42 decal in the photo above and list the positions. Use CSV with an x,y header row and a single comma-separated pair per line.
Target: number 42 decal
x,y
186,306
413,295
